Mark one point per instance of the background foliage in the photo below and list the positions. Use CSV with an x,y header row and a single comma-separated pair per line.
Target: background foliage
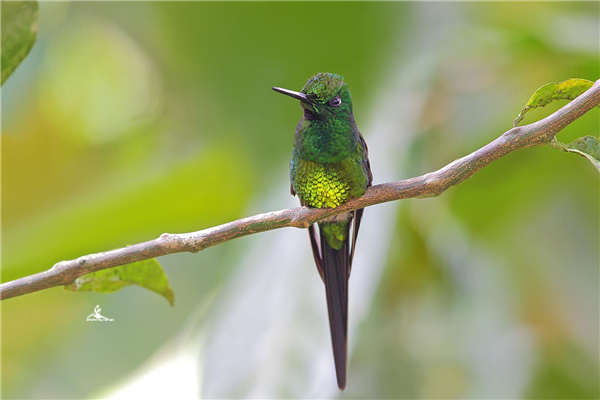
x,y
19,28
128,120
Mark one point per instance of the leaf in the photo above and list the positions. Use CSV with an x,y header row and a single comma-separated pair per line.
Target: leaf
x,y
19,28
567,90
587,146
148,274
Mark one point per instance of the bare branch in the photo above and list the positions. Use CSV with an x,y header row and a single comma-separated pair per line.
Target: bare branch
x,y
428,185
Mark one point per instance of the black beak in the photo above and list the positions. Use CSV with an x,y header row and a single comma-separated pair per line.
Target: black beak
x,y
291,93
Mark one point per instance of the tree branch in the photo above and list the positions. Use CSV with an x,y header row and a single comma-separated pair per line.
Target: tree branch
x,y
428,185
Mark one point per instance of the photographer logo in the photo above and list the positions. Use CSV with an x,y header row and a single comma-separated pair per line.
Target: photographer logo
x,y
95,316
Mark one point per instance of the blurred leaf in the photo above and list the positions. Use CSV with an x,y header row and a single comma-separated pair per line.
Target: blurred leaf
x,y
114,87
560,373
567,90
148,274
19,28
587,146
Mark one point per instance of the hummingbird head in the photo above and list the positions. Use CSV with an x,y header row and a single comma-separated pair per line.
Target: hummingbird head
x,y
325,96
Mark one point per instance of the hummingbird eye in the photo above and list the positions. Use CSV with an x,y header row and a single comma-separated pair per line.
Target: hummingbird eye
x,y
335,102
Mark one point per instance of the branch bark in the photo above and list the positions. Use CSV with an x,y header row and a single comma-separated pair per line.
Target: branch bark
x,y
428,185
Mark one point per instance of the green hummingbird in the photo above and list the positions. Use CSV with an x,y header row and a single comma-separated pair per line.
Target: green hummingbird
x,y
329,166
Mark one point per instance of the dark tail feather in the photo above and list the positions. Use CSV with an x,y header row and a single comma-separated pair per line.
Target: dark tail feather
x,y
335,264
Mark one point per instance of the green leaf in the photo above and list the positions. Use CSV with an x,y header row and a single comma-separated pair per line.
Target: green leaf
x,y
567,90
148,274
587,146
19,28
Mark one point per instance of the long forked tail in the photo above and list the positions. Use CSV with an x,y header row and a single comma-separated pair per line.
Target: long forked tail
x,y
336,268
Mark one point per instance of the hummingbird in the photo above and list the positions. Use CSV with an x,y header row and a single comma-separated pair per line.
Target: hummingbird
x,y
329,166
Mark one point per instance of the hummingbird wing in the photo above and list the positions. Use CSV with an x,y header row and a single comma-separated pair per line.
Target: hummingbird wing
x,y
358,214
314,244
366,162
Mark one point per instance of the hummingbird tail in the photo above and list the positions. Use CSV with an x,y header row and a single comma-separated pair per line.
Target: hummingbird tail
x,y
336,268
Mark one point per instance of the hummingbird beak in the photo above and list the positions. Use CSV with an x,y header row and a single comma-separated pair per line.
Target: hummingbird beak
x,y
291,93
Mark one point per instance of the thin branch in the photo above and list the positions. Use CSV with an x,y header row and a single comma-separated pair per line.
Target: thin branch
x,y
428,185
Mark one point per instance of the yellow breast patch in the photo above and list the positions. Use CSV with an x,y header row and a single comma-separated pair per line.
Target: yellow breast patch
x,y
322,188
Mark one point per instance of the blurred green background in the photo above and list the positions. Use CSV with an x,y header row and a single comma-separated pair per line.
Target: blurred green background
x,y
128,120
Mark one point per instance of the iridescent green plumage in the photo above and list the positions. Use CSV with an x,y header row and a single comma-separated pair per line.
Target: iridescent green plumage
x,y
329,166
329,160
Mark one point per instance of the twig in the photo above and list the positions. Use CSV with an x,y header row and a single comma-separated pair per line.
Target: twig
x,y
428,185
